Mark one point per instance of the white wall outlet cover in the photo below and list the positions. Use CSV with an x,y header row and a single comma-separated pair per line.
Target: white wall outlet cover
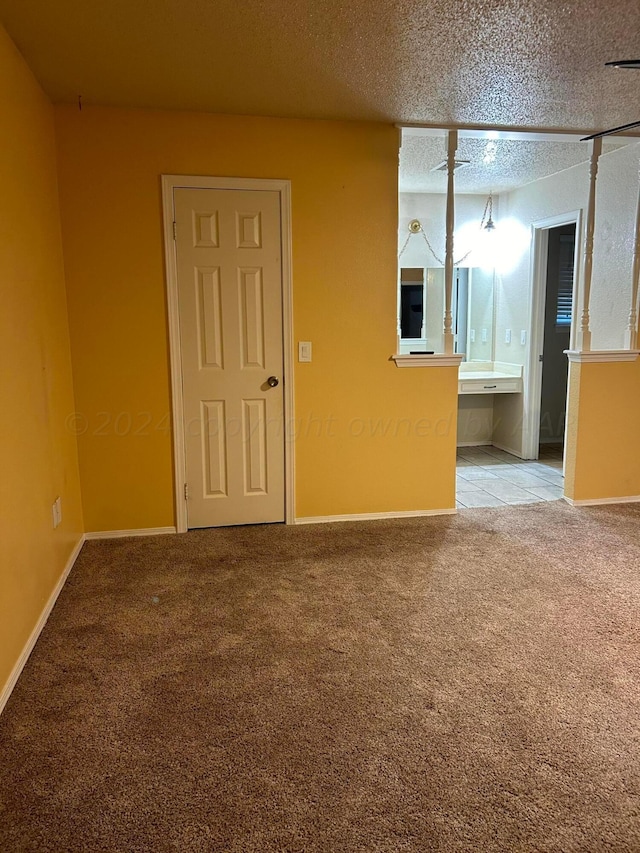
x,y
507,336
484,336
304,351
523,337
472,336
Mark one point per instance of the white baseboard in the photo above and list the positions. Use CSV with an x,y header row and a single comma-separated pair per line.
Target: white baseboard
x,y
487,443
33,638
508,450
372,516
119,534
628,499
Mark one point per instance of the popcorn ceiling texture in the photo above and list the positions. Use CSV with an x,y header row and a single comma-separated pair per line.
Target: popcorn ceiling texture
x,y
499,165
514,63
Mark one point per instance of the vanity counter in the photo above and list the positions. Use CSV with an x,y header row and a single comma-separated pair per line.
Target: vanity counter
x,y
489,378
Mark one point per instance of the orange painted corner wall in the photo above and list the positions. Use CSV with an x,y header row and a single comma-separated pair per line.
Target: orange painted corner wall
x,y
370,437
604,428
39,457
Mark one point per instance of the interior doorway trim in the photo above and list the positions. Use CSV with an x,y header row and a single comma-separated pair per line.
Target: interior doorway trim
x,y
533,386
169,183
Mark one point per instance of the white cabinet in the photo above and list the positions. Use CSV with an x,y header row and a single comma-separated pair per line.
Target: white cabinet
x,y
489,378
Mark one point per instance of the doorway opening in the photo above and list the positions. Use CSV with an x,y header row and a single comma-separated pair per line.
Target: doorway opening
x,y
558,313
553,329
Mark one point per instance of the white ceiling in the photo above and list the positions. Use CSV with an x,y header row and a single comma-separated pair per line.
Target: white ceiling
x,y
510,63
496,164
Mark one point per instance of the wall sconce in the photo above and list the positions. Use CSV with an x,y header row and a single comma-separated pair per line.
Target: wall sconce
x,y
487,226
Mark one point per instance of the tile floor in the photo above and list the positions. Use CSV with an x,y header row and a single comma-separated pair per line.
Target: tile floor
x,y
486,476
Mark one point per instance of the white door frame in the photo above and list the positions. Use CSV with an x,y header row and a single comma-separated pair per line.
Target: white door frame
x,y
539,253
169,183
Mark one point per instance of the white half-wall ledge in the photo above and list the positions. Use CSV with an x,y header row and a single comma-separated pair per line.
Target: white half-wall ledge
x,y
601,356
436,360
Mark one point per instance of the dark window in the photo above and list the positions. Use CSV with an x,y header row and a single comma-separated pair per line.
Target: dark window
x,y
565,281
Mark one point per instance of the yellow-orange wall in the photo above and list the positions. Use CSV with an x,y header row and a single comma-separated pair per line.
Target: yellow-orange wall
x,y
371,437
344,214
603,431
39,458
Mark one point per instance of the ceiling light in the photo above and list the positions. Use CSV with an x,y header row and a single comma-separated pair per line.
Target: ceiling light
x,y
490,225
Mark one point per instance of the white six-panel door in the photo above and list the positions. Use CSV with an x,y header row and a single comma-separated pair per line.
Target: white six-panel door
x,y
229,275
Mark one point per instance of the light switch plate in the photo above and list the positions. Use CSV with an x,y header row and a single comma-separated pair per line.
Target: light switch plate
x,y
507,336
304,351
523,337
472,336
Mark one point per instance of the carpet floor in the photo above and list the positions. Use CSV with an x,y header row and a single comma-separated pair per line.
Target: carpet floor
x,y
459,683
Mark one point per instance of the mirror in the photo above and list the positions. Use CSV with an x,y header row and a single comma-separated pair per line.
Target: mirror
x,y
421,311
480,314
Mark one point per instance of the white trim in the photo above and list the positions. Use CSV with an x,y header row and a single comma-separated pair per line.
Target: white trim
x,y
177,401
7,690
486,443
602,356
287,340
628,499
139,531
372,516
508,450
437,360
169,183
539,257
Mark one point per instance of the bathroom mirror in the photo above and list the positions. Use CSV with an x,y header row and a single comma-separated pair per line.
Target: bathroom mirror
x,y
421,311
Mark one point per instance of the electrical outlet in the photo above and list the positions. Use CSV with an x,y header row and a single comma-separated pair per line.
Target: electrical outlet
x,y
507,336
472,336
304,351
484,336
523,337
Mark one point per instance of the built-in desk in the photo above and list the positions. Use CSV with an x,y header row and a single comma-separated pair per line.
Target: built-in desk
x,y
489,378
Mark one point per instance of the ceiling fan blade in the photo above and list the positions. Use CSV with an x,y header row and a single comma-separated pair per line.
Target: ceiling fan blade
x,y
624,63
611,130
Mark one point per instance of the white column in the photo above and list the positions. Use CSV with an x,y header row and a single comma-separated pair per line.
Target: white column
x,y
452,146
632,331
584,335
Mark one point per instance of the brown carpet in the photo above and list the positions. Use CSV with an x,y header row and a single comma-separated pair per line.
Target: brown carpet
x,y
464,683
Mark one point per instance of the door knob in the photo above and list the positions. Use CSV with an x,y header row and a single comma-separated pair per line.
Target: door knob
x,y
272,381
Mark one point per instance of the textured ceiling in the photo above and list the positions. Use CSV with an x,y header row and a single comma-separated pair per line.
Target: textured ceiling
x,y
495,164
516,63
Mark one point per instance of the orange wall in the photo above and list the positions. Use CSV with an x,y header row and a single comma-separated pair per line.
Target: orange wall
x,y
344,201
604,429
39,459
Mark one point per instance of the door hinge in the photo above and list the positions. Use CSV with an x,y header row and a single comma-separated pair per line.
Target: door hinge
x,y
186,491
174,230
